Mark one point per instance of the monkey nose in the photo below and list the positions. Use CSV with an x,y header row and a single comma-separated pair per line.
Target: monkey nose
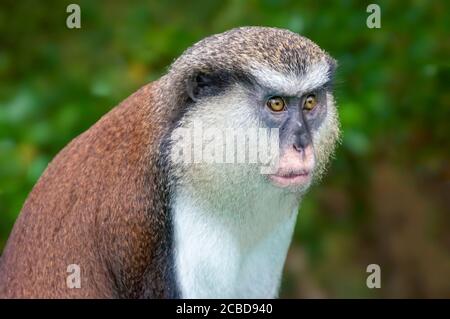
x,y
301,143
297,147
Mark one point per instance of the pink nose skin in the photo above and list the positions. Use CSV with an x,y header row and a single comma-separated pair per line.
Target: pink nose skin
x,y
294,168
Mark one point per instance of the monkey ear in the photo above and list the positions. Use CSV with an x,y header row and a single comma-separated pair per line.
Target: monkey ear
x,y
199,85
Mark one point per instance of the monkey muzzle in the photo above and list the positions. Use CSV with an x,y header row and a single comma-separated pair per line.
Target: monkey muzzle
x,y
295,168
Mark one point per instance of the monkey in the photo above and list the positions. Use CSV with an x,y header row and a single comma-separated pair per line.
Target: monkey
x,y
141,224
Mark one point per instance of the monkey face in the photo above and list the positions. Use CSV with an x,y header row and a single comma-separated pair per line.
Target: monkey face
x,y
298,118
299,106
305,122
276,81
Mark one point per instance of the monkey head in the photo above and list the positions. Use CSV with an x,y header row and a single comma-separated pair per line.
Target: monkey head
x,y
249,78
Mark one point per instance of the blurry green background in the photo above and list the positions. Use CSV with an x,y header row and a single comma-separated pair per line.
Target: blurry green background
x,y
386,197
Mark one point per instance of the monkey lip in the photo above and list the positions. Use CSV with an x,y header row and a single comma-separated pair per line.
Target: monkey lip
x,y
290,179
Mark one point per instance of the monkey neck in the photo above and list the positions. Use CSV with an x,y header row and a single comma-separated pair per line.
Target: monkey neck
x,y
234,247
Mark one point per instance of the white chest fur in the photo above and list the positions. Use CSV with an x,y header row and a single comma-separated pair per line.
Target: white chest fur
x,y
232,254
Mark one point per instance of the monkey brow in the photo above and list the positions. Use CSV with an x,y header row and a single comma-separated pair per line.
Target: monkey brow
x,y
326,86
315,77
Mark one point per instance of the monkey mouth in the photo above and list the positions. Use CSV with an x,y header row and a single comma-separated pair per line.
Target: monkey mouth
x,y
291,179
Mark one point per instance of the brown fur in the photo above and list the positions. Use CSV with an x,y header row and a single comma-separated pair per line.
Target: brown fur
x,y
99,204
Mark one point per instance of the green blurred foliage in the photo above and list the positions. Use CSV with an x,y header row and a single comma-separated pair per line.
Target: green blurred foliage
x,y
385,199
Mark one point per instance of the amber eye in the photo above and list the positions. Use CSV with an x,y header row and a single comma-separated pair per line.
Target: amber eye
x,y
310,102
276,104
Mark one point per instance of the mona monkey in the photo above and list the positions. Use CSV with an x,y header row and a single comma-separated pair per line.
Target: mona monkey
x,y
141,225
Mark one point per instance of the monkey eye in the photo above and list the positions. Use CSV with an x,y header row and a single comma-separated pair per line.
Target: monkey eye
x,y
276,103
310,102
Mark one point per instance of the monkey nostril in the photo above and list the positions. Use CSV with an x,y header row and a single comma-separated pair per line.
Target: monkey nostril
x,y
301,142
298,148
